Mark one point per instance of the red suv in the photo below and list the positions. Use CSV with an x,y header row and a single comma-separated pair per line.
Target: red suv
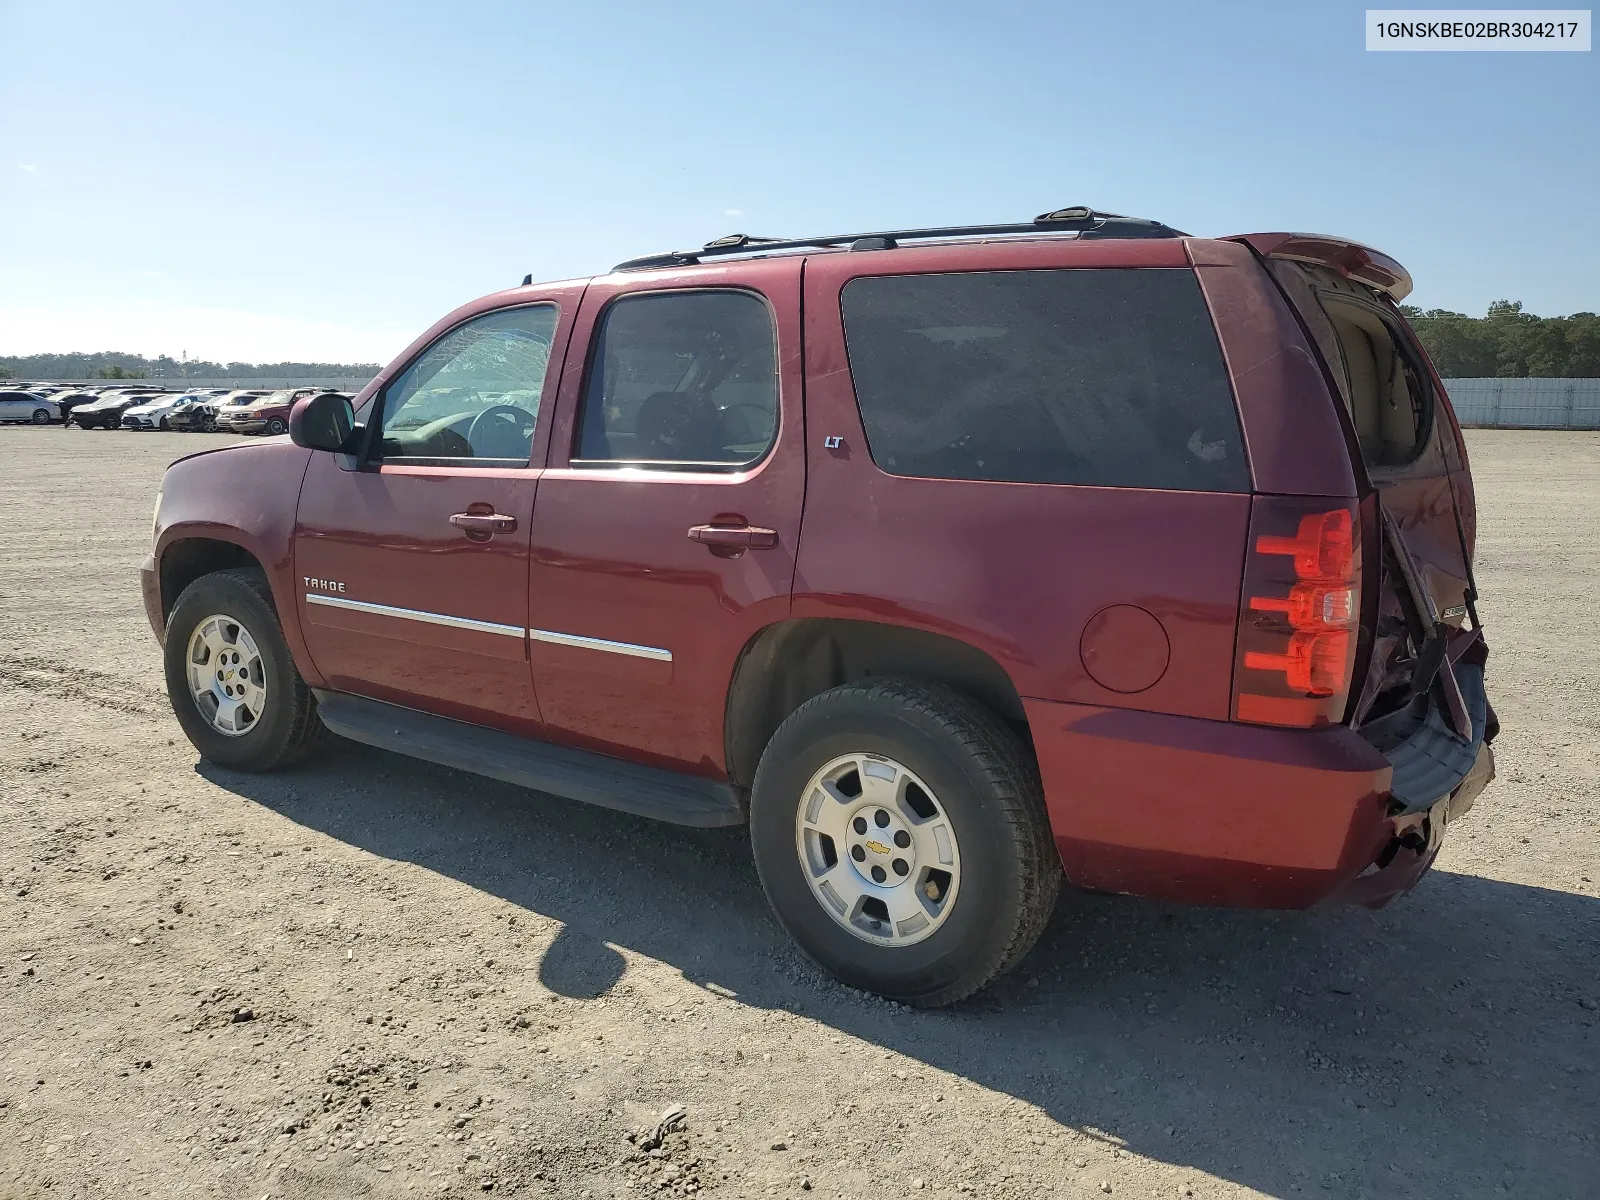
x,y
946,559
260,412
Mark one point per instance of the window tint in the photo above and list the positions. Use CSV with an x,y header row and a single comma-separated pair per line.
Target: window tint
x,y
1108,377
475,392
686,377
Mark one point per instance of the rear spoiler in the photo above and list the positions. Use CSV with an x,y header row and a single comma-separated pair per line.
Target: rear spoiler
x,y
1351,259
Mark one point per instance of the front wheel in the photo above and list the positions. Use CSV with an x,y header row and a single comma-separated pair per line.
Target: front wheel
x,y
900,834
277,425
232,682
41,416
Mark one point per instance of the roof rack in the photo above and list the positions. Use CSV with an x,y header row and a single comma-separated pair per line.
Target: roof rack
x,y
1081,220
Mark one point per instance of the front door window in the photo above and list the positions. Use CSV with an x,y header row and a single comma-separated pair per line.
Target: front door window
x,y
473,396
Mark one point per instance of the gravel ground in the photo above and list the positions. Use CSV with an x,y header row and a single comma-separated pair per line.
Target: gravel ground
x,y
370,977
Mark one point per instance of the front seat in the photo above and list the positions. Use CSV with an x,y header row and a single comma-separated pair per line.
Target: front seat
x,y
680,427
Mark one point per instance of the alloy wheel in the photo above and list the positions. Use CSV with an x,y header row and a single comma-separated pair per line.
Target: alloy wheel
x,y
227,676
878,850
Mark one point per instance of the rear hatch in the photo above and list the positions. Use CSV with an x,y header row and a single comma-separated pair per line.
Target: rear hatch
x,y
1418,689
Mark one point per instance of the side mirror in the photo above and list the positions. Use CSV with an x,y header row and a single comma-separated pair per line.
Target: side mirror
x,y
322,422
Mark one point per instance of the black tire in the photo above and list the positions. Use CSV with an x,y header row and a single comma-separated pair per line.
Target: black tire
x,y
41,416
289,729
165,428
989,786
277,425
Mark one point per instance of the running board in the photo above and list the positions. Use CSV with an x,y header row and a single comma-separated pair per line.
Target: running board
x,y
559,770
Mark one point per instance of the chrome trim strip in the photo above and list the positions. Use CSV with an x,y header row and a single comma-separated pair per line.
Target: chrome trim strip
x,y
589,643
413,614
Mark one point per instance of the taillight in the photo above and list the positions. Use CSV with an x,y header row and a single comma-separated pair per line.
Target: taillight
x,y
1300,613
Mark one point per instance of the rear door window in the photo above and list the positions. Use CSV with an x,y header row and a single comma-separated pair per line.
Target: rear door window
x,y
684,379
1107,377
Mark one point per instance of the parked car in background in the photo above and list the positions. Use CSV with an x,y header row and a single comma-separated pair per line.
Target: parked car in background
x,y
192,414
105,412
28,407
237,400
71,399
153,414
263,414
87,414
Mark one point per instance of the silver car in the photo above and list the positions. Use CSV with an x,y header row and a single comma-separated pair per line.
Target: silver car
x,y
28,407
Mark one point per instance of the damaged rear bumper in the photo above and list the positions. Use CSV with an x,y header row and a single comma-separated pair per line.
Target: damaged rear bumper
x,y
1437,776
1214,812
1418,836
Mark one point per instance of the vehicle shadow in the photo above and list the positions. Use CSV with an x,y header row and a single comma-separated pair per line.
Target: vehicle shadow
x,y
1446,1046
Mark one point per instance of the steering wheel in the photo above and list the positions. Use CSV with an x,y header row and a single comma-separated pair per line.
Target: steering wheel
x,y
501,431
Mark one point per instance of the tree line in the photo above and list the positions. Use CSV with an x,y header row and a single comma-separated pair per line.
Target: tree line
x,y
113,365
1508,343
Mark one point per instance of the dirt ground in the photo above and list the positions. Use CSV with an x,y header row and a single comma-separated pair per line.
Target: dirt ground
x,y
374,977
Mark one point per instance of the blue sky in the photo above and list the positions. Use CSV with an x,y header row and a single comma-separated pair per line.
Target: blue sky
x,y
289,180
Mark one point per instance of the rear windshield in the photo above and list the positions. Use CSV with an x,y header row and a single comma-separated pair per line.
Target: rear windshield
x,y
1105,377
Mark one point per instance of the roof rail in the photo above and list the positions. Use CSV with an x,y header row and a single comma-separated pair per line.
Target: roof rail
x,y
1081,220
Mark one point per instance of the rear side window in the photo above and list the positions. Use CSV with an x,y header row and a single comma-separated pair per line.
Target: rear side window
x,y
684,378
1106,377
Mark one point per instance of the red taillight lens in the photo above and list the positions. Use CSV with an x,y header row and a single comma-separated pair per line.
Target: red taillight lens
x,y
1314,663
1301,609
1322,548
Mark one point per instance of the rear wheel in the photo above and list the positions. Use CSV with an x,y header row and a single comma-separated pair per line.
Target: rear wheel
x,y
232,682
900,834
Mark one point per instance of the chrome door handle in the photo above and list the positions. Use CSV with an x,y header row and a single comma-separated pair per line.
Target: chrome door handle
x,y
485,523
741,536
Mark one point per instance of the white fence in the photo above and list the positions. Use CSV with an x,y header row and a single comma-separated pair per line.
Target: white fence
x,y
1526,403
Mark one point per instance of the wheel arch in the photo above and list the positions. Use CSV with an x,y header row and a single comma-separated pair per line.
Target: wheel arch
x,y
787,663
186,559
